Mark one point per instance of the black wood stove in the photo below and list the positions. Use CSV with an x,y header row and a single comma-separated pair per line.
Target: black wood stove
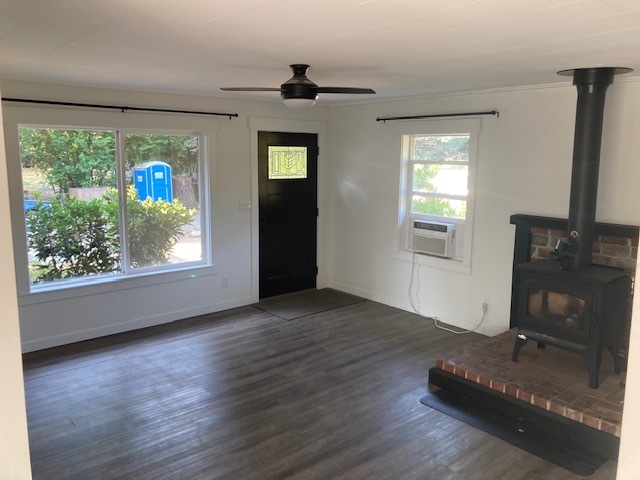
x,y
581,310
568,302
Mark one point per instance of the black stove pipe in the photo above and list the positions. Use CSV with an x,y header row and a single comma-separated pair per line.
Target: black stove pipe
x,y
592,84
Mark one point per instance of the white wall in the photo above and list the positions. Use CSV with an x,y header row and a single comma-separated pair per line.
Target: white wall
x,y
53,319
14,446
524,164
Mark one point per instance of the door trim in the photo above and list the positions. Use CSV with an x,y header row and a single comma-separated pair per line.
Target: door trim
x,y
257,124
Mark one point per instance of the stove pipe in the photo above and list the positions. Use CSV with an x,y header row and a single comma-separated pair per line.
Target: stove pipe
x,y
592,84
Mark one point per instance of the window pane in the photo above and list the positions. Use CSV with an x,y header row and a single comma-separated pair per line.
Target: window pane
x,y
287,162
442,207
447,179
70,203
163,201
441,148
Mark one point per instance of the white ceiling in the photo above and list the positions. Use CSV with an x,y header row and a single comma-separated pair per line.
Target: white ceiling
x,y
397,47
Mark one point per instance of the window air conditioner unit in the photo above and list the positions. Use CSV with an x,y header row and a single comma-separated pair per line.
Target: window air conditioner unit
x,y
433,238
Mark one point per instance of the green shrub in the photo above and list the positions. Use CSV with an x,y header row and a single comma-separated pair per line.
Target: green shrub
x,y
77,238
72,239
154,227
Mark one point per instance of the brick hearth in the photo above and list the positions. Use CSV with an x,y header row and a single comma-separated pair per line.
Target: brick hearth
x,y
552,379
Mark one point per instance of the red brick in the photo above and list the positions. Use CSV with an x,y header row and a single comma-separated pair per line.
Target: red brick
x,y
628,264
602,260
511,391
448,367
615,250
459,371
539,401
558,233
524,396
612,428
484,380
615,240
591,421
574,414
471,376
557,407
439,364
498,385
539,230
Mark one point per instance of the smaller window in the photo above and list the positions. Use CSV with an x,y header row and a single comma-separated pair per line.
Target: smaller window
x,y
435,214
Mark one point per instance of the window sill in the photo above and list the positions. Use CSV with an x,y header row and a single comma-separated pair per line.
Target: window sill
x,y
450,264
113,283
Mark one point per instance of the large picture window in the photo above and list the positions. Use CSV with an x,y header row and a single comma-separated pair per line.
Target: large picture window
x,y
101,202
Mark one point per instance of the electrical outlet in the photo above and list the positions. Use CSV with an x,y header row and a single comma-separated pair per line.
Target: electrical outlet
x,y
485,305
225,280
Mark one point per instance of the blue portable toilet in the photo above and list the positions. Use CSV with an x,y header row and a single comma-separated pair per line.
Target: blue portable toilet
x,y
153,179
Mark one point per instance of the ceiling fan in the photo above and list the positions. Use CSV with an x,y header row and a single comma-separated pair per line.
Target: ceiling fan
x,y
299,91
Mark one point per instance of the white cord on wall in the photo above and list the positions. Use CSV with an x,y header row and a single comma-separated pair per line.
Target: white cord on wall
x,y
415,303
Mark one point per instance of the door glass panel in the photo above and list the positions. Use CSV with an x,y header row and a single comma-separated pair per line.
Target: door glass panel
x,y
287,163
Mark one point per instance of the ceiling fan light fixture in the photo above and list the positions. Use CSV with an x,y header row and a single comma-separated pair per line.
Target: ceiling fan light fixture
x,y
297,102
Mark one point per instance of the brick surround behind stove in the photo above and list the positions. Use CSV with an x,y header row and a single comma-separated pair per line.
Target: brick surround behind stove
x,y
608,251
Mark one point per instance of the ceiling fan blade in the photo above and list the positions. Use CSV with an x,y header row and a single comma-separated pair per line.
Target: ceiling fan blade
x,y
344,90
250,89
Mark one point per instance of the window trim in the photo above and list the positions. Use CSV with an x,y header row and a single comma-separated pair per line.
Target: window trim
x,y
16,117
405,131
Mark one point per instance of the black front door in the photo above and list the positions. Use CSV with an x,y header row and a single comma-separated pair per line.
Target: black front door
x,y
287,177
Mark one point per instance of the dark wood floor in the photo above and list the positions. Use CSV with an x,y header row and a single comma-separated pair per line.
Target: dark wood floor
x,y
247,394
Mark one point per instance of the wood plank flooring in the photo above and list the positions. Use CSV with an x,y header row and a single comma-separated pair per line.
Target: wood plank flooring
x,y
246,394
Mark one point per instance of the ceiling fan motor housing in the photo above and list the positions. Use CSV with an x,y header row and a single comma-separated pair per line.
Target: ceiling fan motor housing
x,y
299,86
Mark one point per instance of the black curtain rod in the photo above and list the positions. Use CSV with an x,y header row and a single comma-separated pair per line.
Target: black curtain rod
x,y
117,107
415,117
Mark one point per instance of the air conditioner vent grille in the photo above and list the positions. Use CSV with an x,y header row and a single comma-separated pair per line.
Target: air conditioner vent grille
x,y
433,238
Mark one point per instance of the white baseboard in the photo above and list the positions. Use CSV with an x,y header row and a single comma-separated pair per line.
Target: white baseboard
x,y
443,317
133,324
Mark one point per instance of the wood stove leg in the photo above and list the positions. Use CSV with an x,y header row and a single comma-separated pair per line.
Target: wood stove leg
x,y
521,341
592,358
619,362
